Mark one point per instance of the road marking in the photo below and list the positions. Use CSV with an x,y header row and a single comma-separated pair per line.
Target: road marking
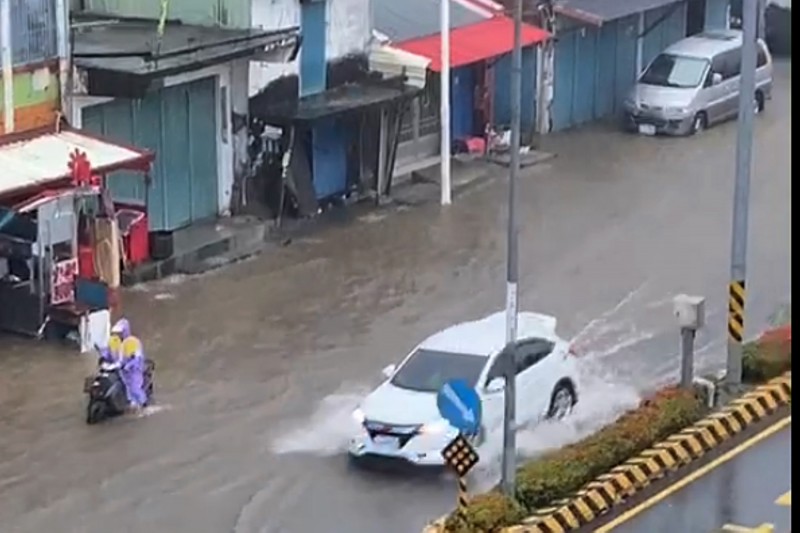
x,y
785,500
763,528
697,474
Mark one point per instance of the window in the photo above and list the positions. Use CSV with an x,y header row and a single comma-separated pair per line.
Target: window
x,y
731,64
33,31
429,370
531,352
669,70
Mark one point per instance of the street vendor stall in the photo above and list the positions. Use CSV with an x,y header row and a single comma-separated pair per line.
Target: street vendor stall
x,y
60,237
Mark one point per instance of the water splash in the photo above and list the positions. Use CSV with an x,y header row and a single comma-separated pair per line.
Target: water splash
x,y
328,430
602,400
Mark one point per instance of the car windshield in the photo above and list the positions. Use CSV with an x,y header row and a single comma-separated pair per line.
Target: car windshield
x,y
429,370
668,70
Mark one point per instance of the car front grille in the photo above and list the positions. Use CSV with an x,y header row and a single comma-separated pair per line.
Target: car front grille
x,y
403,433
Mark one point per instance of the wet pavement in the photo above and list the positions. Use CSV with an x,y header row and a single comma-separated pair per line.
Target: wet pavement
x,y
743,492
261,363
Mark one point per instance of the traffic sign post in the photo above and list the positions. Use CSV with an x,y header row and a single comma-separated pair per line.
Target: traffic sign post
x,y
460,405
462,458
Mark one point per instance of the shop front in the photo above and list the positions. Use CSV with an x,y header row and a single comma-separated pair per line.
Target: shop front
x,y
63,242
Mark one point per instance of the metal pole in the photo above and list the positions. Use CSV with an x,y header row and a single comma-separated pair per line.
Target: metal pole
x,y
462,494
687,357
444,110
509,419
741,196
6,60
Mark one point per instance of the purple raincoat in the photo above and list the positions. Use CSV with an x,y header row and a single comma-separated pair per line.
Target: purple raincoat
x,y
132,373
121,328
106,356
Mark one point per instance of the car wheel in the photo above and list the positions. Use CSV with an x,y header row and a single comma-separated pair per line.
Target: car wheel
x,y
699,123
562,401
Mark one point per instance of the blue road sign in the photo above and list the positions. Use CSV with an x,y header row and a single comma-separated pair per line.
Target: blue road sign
x,y
460,405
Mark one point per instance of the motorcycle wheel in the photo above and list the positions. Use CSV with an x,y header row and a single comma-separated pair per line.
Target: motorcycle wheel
x,y
95,412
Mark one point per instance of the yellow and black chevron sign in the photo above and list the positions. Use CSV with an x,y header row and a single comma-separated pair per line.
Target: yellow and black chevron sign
x,y
679,449
736,299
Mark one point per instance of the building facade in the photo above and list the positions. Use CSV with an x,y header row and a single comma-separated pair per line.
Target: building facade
x,y
30,42
324,124
187,100
602,47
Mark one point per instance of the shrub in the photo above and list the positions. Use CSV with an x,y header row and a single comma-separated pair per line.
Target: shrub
x,y
561,473
767,357
486,513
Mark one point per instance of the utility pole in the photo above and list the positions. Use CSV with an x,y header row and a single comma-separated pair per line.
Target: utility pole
x,y
6,60
509,419
444,97
741,195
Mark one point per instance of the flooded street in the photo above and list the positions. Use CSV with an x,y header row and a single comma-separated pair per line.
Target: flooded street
x,y
261,363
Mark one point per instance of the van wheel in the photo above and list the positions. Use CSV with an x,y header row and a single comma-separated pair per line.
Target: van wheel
x,y
759,102
699,123
562,401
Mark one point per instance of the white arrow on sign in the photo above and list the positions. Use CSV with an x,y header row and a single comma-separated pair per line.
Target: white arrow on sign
x,y
451,395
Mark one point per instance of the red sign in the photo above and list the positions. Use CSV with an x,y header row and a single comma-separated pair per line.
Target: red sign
x,y
81,169
63,281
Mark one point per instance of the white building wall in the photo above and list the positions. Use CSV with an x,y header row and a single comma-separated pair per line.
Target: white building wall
x,y
349,30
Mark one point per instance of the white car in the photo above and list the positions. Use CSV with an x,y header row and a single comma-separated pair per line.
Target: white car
x,y
400,418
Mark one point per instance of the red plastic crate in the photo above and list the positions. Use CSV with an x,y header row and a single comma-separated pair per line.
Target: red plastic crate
x,y
134,230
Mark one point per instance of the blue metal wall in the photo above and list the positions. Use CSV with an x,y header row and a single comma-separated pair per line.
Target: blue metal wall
x,y
329,158
596,67
462,96
669,30
717,14
312,51
501,97
179,125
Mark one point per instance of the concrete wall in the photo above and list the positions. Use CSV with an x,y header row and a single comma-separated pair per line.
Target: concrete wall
x,y
349,32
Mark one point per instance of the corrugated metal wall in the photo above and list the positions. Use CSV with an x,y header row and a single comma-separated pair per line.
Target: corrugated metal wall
x,y
501,98
717,14
596,67
33,31
228,13
672,28
179,124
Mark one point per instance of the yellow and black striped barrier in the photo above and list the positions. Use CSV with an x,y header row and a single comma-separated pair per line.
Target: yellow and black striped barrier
x,y
736,299
599,496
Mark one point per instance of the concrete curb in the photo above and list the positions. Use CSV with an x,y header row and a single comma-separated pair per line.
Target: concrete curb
x,y
611,489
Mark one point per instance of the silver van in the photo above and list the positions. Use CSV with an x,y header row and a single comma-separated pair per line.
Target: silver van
x,y
695,83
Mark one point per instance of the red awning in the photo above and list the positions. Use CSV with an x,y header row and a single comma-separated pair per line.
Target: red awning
x,y
473,43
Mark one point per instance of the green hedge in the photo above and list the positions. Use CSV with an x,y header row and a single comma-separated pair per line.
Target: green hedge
x,y
561,473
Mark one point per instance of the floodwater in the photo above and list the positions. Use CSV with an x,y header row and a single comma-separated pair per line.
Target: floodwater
x,y
261,363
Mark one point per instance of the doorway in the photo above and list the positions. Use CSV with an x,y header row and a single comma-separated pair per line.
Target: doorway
x,y
695,17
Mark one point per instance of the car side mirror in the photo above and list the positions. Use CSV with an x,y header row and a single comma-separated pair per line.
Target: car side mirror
x,y
388,371
716,78
496,385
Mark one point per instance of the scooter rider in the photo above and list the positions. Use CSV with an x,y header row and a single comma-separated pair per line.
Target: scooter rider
x,y
121,328
132,372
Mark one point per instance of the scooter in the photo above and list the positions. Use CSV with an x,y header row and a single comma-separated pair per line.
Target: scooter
x,y
106,390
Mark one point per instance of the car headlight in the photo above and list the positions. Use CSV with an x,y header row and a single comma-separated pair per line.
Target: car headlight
x,y
677,110
435,428
358,416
